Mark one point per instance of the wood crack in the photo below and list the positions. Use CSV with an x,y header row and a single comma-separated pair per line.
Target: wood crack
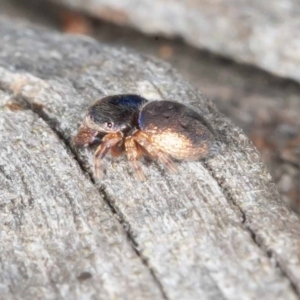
x,y
53,124
183,229
253,235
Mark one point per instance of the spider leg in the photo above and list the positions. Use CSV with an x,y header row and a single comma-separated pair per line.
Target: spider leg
x,y
144,140
109,141
85,136
134,152
118,149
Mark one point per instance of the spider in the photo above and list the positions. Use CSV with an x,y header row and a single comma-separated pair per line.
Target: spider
x,y
133,125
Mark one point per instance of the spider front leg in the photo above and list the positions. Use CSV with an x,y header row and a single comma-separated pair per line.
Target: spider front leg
x,y
144,140
85,136
108,142
118,149
134,152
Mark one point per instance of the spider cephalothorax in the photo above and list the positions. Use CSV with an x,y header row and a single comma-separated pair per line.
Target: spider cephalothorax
x,y
159,129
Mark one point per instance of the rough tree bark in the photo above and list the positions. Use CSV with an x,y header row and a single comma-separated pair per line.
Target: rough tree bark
x,y
218,230
247,31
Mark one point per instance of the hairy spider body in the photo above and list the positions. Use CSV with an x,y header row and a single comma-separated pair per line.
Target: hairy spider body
x,y
159,129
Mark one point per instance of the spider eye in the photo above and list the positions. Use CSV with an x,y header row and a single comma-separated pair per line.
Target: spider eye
x,y
109,124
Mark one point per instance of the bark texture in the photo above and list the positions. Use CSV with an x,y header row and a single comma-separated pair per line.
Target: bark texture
x,y
218,230
262,33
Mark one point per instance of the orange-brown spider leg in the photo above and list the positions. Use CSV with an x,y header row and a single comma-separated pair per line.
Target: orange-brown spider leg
x,y
109,141
85,136
118,149
143,139
134,152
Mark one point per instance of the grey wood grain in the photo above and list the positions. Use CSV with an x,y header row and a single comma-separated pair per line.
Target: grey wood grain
x,y
246,31
218,230
59,239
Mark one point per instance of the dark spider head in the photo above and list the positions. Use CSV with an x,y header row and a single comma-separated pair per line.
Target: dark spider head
x,y
114,113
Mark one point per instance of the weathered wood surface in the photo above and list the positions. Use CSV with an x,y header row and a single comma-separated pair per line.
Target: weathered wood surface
x,y
54,242
218,230
248,31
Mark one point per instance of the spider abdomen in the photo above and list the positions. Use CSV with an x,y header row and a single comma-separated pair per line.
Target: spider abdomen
x,y
176,129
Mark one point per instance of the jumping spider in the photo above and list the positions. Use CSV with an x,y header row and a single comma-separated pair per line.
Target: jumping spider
x,y
158,129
